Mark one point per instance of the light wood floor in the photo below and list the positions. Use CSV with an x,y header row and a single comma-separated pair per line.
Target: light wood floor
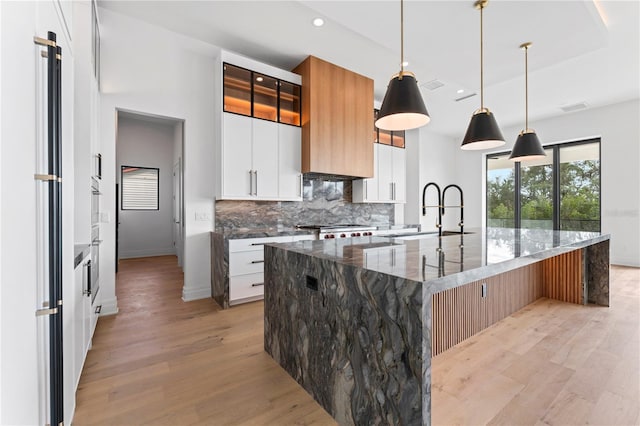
x,y
162,361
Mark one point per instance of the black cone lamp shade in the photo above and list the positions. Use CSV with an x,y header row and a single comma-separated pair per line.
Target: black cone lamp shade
x,y
483,132
527,147
402,107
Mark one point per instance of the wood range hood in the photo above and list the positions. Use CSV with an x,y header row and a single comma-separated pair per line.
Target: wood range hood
x,y
337,121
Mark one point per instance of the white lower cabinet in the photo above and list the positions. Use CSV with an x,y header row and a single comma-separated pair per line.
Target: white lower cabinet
x,y
246,266
246,288
388,185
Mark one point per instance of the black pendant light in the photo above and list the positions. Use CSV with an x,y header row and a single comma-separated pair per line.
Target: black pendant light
x,y
527,146
483,131
402,107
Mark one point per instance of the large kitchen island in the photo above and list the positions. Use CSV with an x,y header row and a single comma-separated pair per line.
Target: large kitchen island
x,y
356,321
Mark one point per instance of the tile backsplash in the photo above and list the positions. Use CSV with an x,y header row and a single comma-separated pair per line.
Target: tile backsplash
x,y
324,202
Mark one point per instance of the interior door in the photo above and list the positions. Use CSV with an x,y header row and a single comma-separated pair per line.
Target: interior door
x,y
177,210
117,224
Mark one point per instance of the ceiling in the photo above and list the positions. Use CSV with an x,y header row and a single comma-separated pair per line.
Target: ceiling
x,y
583,51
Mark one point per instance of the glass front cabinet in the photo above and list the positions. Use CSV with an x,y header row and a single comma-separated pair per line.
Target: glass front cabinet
x,y
258,95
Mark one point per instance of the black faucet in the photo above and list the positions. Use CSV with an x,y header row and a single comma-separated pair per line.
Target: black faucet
x,y
439,206
444,193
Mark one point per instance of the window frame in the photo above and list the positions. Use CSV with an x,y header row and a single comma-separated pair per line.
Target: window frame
x,y
122,167
556,200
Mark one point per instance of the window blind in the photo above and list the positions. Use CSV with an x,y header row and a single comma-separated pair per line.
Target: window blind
x,y
139,188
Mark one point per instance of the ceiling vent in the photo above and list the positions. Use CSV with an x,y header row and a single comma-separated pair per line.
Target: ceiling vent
x,y
471,95
574,107
433,84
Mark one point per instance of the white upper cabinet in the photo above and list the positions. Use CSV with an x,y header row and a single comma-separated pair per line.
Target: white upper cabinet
x,y
259,147
290,158
265,159
261,159
237,175
388,184
385,173
399,172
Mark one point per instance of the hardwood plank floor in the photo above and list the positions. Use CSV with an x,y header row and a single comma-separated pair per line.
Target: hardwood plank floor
x,y
163,361
551,363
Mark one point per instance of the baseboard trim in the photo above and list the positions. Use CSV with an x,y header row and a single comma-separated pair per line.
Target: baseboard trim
x,y
146,253
109,307
189,294
246,300
633,263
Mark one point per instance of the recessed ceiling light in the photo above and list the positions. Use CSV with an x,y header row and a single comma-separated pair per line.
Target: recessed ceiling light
x,y
259,78
318,22
460,91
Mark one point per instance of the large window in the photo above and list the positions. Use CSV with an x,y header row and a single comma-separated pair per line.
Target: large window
x,y
139,188
500,195
561,191
536,193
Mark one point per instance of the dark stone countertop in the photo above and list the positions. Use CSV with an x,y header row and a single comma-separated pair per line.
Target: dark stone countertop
x,y
448,261
80,251
241,233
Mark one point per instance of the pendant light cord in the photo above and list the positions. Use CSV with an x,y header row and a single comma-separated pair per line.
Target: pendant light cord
x,y
481,62
401,39
526,88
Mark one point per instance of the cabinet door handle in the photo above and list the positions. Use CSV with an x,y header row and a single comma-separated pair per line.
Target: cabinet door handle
x,y
257,261
257,284
250,182
87,291
366,189
255,173
391,189
257,244
301,186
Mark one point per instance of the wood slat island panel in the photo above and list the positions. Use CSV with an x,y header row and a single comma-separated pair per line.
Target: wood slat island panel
x,y
462,312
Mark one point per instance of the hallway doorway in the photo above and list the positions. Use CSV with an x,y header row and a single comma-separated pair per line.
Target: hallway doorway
x,y
149,182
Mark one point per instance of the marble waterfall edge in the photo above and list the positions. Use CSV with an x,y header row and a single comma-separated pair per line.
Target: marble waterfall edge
x,y
357,346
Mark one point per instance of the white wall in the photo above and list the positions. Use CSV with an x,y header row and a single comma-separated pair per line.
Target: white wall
x,y
619,127
154,71
430,158
145,143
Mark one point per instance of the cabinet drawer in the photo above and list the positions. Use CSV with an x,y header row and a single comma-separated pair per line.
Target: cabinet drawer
x,y
254,244
246,262
246,286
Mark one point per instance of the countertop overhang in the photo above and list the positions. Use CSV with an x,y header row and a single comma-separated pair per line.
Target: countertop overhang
x,y
449,261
